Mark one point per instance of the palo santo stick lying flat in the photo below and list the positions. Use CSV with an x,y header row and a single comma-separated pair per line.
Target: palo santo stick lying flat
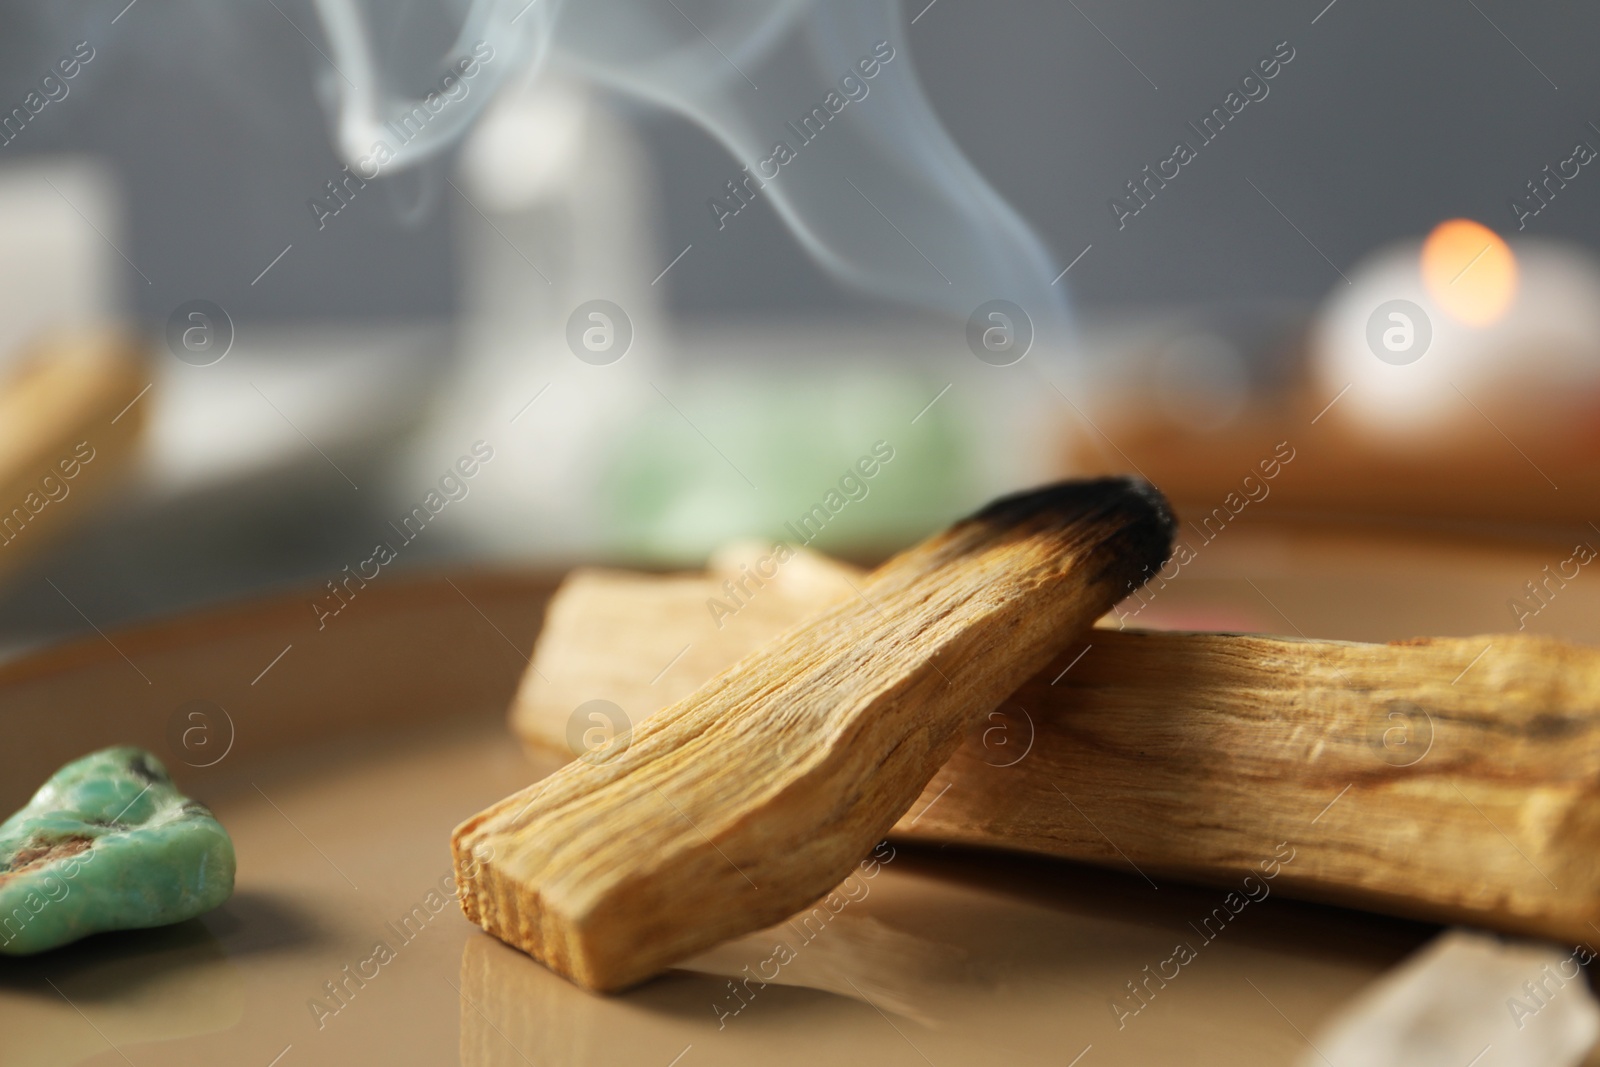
x,y
1400,780
757,794
1399,783
643,641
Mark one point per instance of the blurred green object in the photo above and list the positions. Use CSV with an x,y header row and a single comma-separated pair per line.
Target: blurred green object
x,y
756,456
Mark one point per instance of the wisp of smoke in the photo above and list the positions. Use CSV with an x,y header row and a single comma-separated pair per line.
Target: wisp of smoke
x,y
882,197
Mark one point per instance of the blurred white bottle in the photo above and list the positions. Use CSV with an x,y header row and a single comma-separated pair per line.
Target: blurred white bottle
x,y
554,209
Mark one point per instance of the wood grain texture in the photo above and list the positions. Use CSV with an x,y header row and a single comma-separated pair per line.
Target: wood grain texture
x,y
1443,779
757,794
1429,778
643,641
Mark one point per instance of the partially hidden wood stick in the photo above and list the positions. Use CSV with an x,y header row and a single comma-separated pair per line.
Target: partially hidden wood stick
x,y
756,794
1446,779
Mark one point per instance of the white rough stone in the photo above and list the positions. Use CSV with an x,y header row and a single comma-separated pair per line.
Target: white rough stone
x,y
1465,999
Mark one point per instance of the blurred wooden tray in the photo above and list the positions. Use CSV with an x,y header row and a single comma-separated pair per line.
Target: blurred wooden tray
x,y
1480,474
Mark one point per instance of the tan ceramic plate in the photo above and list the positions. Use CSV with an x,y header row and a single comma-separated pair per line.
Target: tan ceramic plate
x,y
355,749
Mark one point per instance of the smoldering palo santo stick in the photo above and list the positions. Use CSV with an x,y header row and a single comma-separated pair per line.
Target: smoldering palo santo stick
x,y
756,794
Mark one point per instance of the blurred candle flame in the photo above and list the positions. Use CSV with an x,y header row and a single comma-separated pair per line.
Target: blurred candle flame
x,y
1470,271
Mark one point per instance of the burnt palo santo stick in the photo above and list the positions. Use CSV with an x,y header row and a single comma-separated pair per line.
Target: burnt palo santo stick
x,y
755,795
1446,779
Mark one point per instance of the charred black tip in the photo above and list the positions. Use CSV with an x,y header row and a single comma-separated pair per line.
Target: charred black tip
x,y
1127,519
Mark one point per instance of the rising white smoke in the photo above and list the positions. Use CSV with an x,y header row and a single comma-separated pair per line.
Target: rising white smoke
x,y
883,198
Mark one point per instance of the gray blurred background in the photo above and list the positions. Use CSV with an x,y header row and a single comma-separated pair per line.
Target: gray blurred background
x,y
1389,118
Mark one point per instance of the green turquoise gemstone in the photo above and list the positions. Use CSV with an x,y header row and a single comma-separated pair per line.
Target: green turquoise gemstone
x,y
108,843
